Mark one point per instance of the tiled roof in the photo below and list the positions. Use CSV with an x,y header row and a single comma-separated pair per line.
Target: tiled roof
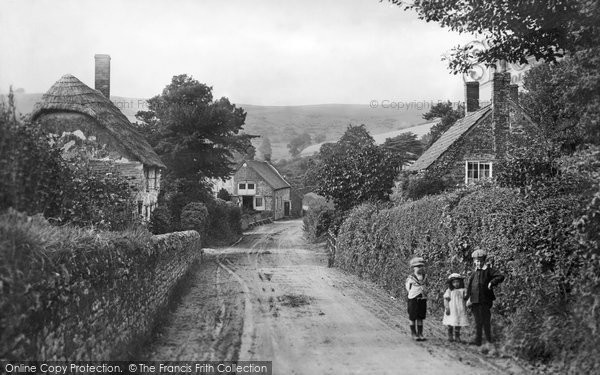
x,y
268,173
448,138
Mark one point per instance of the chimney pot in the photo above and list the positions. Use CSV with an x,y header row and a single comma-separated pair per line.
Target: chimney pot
x,y
102,74
471,96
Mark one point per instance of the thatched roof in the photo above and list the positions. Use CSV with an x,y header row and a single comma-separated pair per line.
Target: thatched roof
x,y
69,94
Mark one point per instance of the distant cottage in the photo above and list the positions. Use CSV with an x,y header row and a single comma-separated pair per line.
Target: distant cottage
x,y
468,150
257,185
71,106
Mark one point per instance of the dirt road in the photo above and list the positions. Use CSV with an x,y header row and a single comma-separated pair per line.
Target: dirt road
x,y
271,297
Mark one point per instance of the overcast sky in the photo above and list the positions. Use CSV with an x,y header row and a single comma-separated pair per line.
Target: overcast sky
x,y
264,52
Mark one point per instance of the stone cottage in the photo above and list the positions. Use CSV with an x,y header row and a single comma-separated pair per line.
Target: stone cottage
x,y
257,185
467,151
70,106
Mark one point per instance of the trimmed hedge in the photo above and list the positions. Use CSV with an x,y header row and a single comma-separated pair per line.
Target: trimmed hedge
x,y
74,294
547,307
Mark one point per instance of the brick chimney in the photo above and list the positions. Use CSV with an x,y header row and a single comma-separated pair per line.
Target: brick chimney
x,y
102,71
500,112
514,93
471,96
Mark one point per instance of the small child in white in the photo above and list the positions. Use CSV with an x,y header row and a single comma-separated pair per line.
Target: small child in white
x,y
455,316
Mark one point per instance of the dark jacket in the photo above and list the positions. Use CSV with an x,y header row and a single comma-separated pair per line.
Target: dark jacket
x,y
477,289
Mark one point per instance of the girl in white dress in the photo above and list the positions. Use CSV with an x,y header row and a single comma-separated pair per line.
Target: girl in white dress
x,y
455,315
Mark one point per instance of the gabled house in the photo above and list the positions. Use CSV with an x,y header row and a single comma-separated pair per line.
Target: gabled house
x,y
468,151
257,185
70,106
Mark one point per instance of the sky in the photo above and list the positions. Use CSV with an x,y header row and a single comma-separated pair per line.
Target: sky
x,y
262,52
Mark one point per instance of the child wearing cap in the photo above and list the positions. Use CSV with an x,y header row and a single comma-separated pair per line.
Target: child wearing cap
x,y
455,315
417,298
481,296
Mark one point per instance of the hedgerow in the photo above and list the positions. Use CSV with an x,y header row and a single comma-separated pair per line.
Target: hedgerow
x,y
543,237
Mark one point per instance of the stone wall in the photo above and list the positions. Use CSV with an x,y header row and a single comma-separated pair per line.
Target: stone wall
x,y
95,301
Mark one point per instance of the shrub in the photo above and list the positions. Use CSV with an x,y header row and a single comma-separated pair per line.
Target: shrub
x,y
194,216
161,220
224,222
319,220
413,186
224,195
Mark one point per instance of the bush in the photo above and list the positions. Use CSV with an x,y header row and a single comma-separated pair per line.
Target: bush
x,y
225,222
194,216
161,220
319,220
224,195
411,186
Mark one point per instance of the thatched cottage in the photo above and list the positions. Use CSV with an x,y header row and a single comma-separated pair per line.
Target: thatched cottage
x,y
257,185
71,106
467,151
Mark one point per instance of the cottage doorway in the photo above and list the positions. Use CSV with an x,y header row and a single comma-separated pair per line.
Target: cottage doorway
x,y
247,202
286,208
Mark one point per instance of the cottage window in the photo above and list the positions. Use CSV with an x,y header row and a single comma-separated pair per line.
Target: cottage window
x,y
250,186
242,186
258,202
475,171
140,207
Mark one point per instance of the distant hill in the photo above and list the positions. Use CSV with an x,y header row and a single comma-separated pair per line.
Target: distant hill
x,y
419,130
281,123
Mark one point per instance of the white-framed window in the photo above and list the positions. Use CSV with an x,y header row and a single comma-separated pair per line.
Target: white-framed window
x,y
247,188
477,170
259,203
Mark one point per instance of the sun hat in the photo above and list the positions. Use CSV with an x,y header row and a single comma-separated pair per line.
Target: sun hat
x,y
417,261
479,253
455,276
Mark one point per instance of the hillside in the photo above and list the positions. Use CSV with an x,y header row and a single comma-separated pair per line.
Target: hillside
x,y
282,123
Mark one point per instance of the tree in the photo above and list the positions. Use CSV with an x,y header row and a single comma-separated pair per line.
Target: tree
x,y
564,98
299,143
265,148
447,115
353,170
515,30
194,134
402,149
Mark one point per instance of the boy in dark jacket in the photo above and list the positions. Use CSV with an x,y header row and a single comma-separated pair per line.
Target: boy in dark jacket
x,y
481,296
